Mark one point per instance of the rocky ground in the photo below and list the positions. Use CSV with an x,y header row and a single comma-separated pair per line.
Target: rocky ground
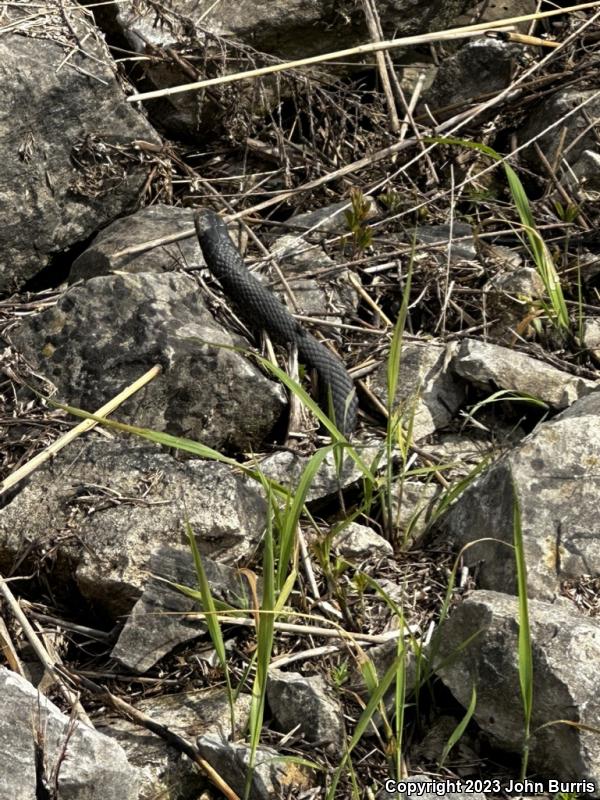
x,y
431,212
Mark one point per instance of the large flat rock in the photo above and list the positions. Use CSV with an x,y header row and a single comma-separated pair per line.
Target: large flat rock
x,y
67,161
554,476
103,334
42,748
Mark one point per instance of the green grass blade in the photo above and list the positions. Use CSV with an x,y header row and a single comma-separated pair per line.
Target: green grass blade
x,y
364,721
265,625
292,514
525,659
212,622
538,249
507,394
394,416
399,708
395,356
460,729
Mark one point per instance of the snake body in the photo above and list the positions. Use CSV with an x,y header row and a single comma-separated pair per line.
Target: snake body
x,y
261,309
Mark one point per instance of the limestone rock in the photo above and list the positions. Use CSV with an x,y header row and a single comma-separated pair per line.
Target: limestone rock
x,y
591,336
307,701
488,365
99,517
286,468
147,224
288,30
554,473
357,542
105,333
444,236
68,163
40,747
566,683
481,67
159,620
428,394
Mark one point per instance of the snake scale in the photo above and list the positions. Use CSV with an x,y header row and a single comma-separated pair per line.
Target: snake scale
x,y
261,310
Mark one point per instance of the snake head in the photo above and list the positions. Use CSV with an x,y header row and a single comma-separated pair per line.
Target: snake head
x,y
207,222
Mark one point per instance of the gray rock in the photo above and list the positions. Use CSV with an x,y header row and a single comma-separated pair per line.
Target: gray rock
x,y
566,682
306,701
481,67
271,776
580,136
69,165
462,452
554,473
298,28
357,542
488,365
414,506
286,468
491,10
509,295
41,748
427,393
101,515
299,255
445,235
158,622
145,225
591,336
105,333
163,771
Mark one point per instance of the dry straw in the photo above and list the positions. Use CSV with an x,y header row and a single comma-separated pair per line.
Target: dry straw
x,y
373,47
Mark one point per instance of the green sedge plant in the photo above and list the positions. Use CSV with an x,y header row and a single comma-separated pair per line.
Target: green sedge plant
x,y
556,307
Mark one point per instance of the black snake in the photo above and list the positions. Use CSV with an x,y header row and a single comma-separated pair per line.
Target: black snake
x,y
260,309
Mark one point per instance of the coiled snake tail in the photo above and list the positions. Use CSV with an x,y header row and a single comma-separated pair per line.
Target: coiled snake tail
x,y
261,309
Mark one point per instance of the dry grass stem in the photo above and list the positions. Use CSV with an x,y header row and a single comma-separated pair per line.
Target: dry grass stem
x,y
405,41
75,432
50,665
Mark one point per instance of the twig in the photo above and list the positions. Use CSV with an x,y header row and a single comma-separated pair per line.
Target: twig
x,y
531,41
41,652
369,300
307,564
92,633
127,710
9,651
312,630
405,41
374,32
375,47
